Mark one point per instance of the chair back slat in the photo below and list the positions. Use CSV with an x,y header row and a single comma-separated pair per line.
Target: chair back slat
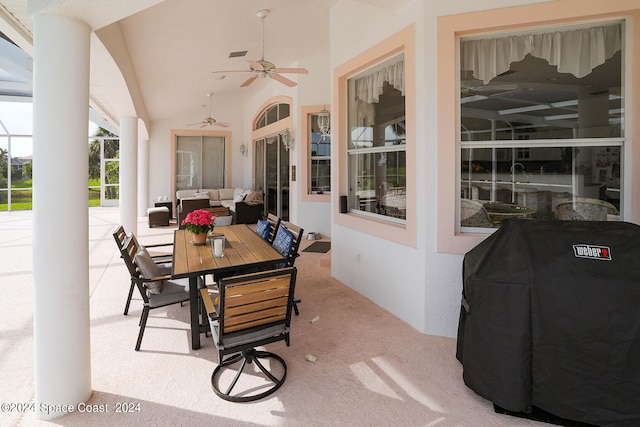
x,y
295,230
255,288
251,308
120,236
251,320
275,223
128,252
297,233
254,300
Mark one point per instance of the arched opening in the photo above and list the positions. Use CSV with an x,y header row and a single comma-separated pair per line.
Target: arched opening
x,y
271,129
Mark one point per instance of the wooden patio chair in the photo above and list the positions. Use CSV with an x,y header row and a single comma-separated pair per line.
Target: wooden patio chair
x,y
120,235
288,246
251,310
156,289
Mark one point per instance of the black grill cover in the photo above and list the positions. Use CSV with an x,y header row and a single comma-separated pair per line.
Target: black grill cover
x,y
551,319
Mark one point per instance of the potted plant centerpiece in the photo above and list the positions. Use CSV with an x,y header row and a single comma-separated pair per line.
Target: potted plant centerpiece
x,y
199,223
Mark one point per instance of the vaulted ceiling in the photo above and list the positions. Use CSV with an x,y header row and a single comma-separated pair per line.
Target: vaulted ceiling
x,y
165,51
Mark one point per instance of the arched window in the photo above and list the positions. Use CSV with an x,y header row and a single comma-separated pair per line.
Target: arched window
x,y
273,114
272,154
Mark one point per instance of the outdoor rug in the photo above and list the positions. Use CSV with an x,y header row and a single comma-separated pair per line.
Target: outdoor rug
x,y
321,247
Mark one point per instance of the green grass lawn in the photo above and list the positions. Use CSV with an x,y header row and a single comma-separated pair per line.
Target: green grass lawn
x,y
22,199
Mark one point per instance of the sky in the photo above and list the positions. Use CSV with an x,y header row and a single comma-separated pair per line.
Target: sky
x,y
17,118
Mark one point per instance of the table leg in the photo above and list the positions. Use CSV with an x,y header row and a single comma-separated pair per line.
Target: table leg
x,y
193,308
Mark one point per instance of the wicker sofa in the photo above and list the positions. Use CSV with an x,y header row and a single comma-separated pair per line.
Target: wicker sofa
x,y
232,198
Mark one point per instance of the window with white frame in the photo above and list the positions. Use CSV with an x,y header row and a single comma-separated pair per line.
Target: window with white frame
x,y
377,142
319,152
542,124
272,114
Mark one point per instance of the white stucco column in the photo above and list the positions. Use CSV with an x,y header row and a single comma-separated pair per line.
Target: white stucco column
x,y
62,355
143,176
129,173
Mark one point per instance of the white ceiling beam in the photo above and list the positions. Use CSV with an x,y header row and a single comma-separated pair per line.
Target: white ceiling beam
x,y
16,30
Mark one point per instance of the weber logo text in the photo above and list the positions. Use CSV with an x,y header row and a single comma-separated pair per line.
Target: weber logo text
x,y
592,252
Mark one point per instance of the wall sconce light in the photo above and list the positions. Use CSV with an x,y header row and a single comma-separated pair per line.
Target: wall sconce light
x,y
324,123
243,150
287,139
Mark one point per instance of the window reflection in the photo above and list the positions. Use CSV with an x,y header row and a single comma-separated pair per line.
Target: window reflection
x,y
377,141
538,180
541,124
320,157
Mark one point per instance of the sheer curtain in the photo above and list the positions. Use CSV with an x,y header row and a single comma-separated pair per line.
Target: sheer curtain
x,y
212,162
575,51
188,162
200,162
369,87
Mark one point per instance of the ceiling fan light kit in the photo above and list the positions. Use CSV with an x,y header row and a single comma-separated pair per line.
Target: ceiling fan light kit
x,y
262,68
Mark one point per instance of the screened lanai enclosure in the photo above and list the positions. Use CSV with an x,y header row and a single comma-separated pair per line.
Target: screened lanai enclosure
x,y
16,172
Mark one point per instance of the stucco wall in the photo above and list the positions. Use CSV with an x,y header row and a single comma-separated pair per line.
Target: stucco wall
x,y
418,285
392,275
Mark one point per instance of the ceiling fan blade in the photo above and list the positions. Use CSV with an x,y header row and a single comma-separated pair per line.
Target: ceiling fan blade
x,y
256,64
249,81
221,124
283,80
230,71
291,70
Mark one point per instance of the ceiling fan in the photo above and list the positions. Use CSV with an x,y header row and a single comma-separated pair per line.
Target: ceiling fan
x,y
209,121
264,68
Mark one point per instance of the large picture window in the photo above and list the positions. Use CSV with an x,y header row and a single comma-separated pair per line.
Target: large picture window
x,y
542,125
377,142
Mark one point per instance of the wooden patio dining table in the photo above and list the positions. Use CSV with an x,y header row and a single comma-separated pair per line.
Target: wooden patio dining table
x,y
244,250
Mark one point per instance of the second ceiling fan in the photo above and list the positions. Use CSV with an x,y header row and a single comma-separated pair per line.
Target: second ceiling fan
x,y
209,121
262,68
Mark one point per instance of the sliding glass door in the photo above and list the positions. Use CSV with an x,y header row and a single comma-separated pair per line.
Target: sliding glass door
x,y
200,162
272,174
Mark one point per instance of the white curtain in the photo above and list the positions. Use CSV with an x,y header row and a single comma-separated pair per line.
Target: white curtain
x,y
200,162
369,87
213,162
576,51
